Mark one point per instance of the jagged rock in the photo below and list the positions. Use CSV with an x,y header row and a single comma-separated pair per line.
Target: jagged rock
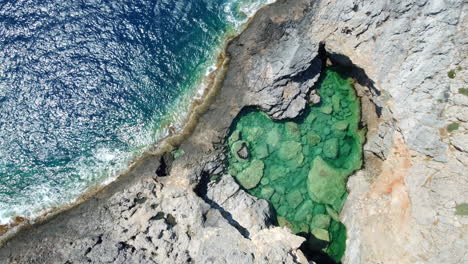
x,y
249,212
239,150
243,152
314,98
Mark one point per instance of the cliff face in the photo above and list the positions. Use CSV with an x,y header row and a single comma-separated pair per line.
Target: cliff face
x,y
401,207
409,59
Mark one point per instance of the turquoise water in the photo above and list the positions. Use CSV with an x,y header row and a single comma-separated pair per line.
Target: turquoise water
x,y
301,166
86,86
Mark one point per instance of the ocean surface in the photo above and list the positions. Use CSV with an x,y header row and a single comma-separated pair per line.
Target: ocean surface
x,y
88,86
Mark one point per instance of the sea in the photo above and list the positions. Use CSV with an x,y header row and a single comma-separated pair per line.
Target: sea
x,y
87,86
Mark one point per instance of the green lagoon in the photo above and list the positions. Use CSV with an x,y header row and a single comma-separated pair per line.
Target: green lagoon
x,y
301,166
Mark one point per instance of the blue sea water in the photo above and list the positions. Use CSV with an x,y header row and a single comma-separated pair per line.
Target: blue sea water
x,y
86,86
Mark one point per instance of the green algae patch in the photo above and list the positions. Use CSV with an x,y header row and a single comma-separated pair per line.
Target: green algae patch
x,y
301,166
462,209
453,126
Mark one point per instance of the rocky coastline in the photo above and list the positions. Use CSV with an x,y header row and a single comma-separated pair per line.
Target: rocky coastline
x,y
402,205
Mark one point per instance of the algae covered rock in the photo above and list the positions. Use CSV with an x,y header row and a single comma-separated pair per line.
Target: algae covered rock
x,y
239,150
294,198
277,172
321,234
292,131
273,138
289,150
261,151
312,138
327,109
303,211
330,148
235,136
320,221
336,102
251,176
326,184
341,125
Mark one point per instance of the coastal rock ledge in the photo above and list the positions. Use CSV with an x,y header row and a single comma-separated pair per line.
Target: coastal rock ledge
x,y
406,205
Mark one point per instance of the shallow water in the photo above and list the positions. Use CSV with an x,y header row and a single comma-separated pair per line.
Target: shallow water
x,y
85,87
301,166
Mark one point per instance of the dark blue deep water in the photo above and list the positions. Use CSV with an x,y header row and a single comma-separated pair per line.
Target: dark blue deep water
x,y
86,85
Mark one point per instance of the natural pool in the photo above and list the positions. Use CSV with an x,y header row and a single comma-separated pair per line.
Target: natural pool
x,y
301,166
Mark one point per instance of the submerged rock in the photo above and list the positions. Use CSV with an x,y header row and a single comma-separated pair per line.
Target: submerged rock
x,y
289,150
320,221
326,184
327,109
273,138
341,125
321,234
330,148
312,138
239,150
294,198
304,211
292,131
251,176
261,150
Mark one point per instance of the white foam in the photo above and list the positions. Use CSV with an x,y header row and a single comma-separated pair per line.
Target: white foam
x,y
247,9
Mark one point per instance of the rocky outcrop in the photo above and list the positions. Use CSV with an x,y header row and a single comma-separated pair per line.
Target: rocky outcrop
x,y
401,207
409,60
164,210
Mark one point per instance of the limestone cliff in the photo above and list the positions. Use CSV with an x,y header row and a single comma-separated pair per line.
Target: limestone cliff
x,y
404,206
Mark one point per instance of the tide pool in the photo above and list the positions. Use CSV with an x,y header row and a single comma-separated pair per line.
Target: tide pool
x,y
301,166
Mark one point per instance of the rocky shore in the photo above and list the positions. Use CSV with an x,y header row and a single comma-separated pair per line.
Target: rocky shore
x,y
406,205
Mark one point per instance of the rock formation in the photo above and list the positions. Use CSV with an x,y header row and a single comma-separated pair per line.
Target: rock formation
x,y
404,206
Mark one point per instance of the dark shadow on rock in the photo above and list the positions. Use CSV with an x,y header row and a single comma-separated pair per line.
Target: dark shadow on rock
x,y
356,71
165,165
312,249
352,70
202,189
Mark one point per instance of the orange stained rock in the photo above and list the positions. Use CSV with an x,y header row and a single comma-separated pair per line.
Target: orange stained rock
x,y
391,181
